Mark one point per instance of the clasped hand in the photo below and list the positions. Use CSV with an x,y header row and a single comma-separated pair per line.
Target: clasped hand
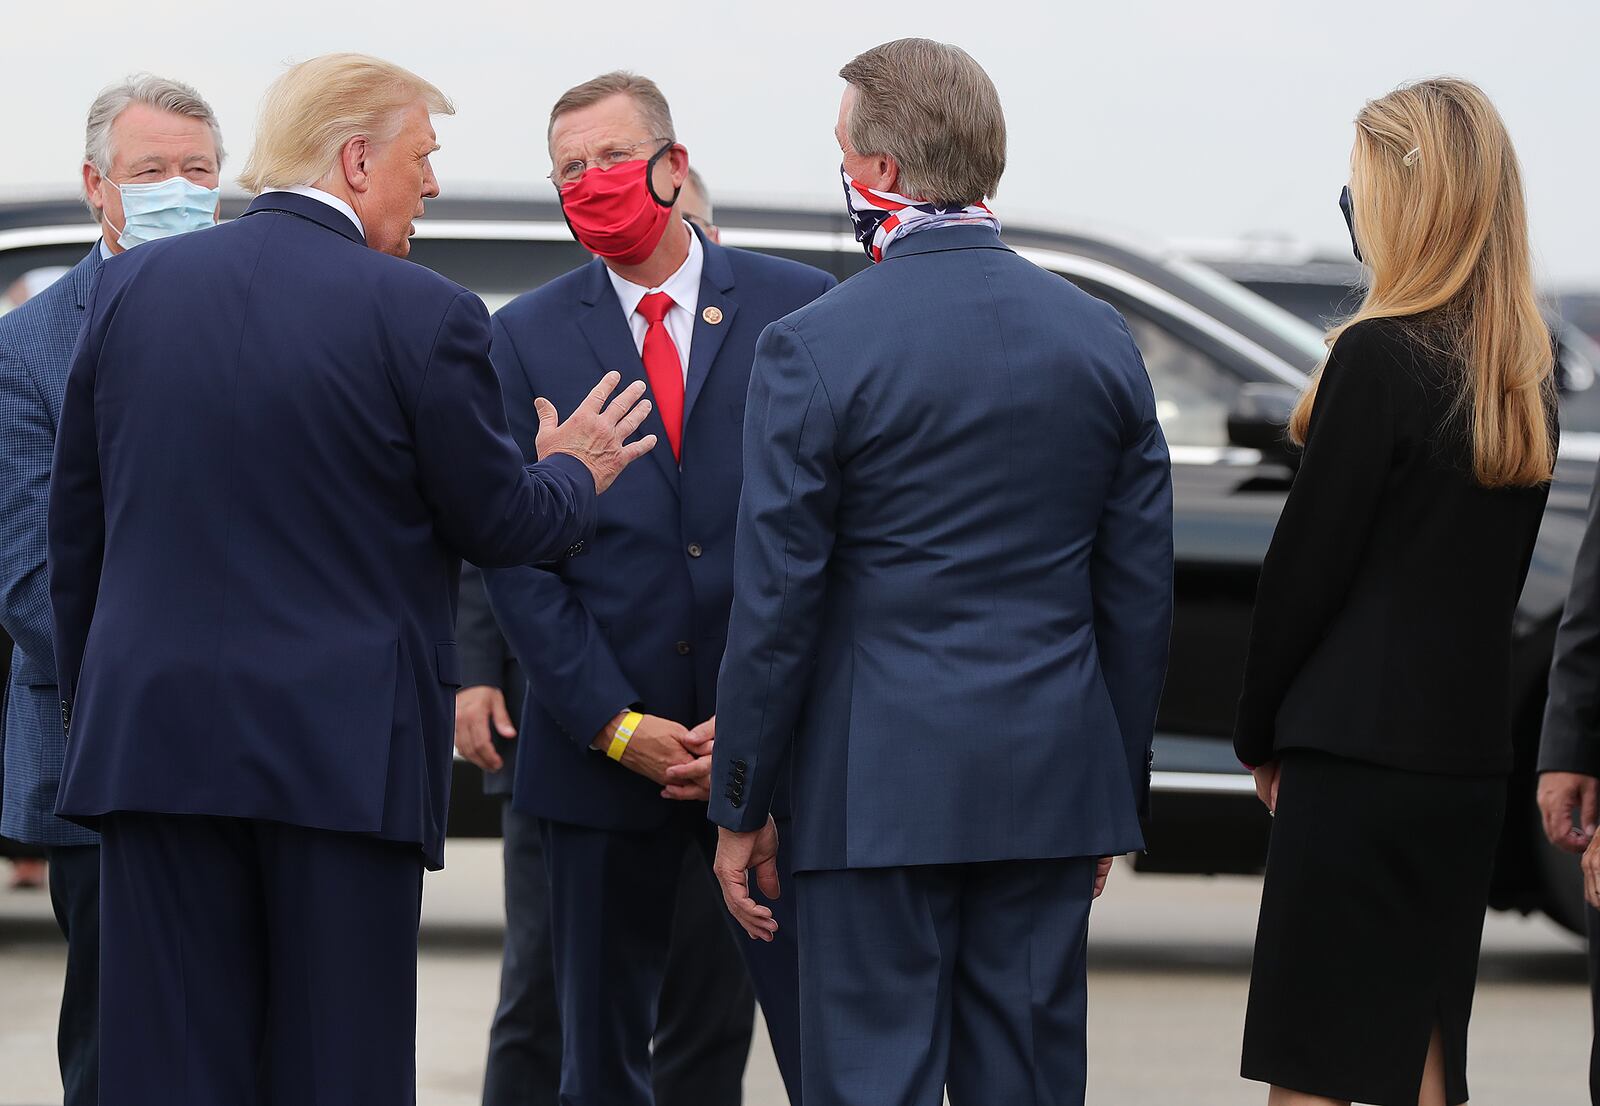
x,y
674,756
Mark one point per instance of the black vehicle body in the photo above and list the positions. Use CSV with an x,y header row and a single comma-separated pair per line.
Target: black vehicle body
x,y
1225,366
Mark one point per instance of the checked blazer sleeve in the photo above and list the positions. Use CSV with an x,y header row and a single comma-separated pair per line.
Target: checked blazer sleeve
x,y
27,440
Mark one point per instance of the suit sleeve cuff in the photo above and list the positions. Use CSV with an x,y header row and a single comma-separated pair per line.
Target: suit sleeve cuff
x,y
1563,753
586,726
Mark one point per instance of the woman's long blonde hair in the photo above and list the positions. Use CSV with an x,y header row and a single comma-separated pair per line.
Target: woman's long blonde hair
x,y
1442,225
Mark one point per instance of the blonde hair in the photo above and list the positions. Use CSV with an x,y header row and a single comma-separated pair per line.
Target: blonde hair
x,y
933,109
1442,224
312,110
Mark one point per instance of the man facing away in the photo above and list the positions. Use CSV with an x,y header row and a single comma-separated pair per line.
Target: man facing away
x,y
151,166
277,441
706,1012
621,641
952,599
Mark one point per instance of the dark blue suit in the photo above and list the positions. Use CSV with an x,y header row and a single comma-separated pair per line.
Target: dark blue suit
x,y
707,1009
952,597
36,342
276,445
639,617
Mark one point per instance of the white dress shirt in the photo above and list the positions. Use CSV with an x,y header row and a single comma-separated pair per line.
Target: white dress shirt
x,y
328,198
684,288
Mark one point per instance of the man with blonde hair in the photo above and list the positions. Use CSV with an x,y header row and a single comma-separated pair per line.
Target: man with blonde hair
x,y
277,442
952,593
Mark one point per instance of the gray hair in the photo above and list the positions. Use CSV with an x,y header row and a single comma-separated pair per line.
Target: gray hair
x,y
933,109
141,88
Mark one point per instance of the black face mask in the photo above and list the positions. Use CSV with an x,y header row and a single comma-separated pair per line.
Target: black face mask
x,y
1347,205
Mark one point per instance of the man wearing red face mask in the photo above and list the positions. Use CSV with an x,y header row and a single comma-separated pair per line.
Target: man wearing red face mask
x,y
621,642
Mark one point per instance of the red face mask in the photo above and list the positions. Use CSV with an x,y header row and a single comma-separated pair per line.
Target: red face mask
x,y
616,213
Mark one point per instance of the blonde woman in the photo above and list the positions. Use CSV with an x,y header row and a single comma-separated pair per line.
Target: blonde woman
x,y
1376,713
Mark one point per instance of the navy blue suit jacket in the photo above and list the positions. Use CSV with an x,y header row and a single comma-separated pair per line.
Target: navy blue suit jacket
x,y
953,583
36,343
275,447
639,617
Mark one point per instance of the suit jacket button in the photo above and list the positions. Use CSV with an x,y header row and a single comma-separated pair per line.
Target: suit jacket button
x,y
695,550
683,648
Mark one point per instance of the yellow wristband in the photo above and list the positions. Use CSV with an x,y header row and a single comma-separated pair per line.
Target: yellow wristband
x,y
624,734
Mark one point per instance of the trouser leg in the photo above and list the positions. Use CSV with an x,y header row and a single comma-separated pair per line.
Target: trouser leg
x,y
612,898
342,913
707,1010
524,1064
182,962
775,966
878,951
75,895
1592,925
1021,985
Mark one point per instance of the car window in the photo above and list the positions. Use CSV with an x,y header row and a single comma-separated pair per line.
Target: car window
x,y
1193,392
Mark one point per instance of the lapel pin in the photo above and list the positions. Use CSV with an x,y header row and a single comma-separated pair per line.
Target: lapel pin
x,y
712,315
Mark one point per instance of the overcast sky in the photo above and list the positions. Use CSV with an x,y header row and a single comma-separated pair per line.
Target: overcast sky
x,y
1171,118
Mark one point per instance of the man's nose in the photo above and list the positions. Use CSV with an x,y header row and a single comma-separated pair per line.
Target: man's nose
x,y
430,185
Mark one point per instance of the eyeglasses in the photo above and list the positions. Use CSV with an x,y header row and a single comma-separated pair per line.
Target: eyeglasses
x,y
573,171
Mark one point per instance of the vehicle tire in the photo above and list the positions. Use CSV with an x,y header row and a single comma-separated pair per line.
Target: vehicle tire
x,y
1560,880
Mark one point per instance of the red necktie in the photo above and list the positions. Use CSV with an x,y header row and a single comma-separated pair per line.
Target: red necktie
x,y
663,367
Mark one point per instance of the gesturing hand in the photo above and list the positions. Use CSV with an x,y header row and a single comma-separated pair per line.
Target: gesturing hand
x,y
692,782
656,745
597,434
478,708
1561,795
737,855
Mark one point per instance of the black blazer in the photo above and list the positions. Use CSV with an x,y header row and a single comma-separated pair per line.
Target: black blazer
x,y
1382,626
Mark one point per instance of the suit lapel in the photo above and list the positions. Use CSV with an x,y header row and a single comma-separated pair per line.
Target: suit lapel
x,y
608,335
716,284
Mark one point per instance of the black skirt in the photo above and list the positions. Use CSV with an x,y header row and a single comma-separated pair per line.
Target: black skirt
x,y
1371,919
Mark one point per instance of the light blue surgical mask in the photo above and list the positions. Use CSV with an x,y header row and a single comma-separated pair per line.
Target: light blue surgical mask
x,y
174,206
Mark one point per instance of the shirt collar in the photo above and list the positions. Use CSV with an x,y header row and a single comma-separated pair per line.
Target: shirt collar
x,y
328,198
683,286
105,251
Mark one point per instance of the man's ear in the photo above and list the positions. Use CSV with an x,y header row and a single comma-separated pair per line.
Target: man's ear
x,y
353,161
889,171
92,180
679,157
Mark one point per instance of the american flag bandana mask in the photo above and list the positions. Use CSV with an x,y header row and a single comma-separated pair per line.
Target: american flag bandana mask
x,y
882,217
